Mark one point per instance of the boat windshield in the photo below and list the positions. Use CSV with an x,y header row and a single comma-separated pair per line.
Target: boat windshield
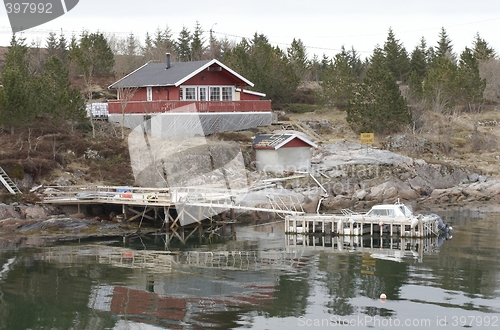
x,y
406,211
382,212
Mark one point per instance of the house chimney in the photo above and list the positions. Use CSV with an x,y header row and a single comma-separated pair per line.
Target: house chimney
x,y
168,61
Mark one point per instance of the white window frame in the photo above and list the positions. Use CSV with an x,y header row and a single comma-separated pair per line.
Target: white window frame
x,y
184,92
205,88
149,94
230,94
208,93
215,88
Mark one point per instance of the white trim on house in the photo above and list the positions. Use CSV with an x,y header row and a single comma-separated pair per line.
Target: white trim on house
x,y
246,91
204,67
149,94
197,94
116,82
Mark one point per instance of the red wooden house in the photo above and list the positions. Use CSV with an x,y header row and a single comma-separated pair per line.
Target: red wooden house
x,y
168,87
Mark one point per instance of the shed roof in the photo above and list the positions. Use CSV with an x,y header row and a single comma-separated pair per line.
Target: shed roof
x,y
276,141
156,74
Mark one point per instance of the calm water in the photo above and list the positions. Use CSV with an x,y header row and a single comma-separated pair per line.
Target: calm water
x,y
260,280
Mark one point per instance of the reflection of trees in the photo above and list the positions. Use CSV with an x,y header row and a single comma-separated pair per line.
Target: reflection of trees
x,y
41,295
470,266
352,275
291,294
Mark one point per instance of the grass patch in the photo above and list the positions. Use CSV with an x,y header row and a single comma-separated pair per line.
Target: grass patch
x,y
300,108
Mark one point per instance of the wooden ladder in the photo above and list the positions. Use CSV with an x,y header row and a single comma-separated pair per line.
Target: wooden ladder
x,y
8,183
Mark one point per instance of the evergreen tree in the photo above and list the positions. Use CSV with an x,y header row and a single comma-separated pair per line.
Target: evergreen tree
x,y
339,81
197,43
472,85
444,47
314,69
442,85
92,54
396,57
420,60
156,48
482,51
62,47
297,55
16,108
52,44
266,66
354,61
148,49
415,86
184,45
377,105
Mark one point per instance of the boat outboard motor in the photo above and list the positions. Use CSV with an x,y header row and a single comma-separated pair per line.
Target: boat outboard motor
x,y
441,225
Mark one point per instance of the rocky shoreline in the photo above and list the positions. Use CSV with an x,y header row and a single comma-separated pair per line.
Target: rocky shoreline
x,y
360,177
354,176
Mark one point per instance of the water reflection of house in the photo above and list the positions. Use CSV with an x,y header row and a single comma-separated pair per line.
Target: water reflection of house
x,y
181,305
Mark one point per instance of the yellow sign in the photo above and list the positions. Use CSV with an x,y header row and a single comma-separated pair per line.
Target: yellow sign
x,y
367,138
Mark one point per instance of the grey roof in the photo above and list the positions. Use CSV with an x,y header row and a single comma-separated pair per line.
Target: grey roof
x,y
276,141
156,74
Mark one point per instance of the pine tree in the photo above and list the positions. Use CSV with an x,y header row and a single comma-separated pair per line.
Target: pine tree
x,y
148,49
472,85
297,55
184,45
377,105
396,57
444,47
17,107
482,51
52,44
339,81
197,43
420,60
442,85
62,47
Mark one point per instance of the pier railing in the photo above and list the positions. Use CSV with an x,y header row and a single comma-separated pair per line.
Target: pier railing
x,y
106,194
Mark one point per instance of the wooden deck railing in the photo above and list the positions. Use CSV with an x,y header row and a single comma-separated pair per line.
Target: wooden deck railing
x,y
115,106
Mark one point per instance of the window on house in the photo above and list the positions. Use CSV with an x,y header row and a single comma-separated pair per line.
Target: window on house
x,y
187,93
214,93
203,93
149,94
190,93
227,93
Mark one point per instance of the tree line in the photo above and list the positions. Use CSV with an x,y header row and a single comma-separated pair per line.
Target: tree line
x,y
382,93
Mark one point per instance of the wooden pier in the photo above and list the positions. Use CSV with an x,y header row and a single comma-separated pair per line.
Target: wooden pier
x,y
350,224
176,207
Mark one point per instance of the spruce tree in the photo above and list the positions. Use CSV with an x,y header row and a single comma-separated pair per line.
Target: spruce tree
x,y
17,107
442,85
444,47
420,60
197,43
471,83
396,57
377,105
184,45
482,50
339,82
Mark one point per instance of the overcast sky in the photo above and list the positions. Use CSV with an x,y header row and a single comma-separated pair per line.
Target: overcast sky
x,y
323,25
